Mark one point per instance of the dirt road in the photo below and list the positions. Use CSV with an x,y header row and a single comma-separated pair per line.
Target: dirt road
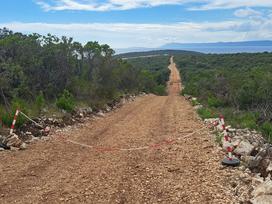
x,y
186,171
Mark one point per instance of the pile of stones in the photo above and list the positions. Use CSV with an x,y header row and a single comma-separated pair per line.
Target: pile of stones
x,y
31,132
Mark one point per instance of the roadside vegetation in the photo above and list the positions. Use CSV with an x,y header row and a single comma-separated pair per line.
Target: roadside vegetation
x,y
46,73
157,67
235,85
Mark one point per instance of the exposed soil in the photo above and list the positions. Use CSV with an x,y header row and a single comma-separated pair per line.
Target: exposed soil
x,y
58,171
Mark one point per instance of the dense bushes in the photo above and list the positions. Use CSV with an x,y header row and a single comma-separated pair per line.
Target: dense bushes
x,y
237,85
41,71
156,72
66,101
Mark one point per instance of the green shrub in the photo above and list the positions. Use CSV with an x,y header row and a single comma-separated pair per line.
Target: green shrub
x,y
205,113
195,103
160,90
7,117
66,101
214,102
266,129
247,120
40,101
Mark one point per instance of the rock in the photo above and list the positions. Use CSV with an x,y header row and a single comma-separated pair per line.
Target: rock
x,y
23,146
45,138
14,149
100,114
13,141
47,129
194,99
254,163
244,148
247,159
2,142
269,168
89,110
187,97
264,199
108,109
198,107
4,131
1,149
262,161
123,101
231,130
44,110
263,193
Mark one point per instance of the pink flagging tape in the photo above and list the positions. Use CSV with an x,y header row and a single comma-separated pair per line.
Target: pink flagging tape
x,y
14,121
152,146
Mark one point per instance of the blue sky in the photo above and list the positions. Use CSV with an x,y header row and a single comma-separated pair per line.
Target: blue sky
x,y
142,23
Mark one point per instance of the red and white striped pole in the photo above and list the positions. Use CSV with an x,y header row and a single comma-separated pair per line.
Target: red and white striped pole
x,y
14,121
229,160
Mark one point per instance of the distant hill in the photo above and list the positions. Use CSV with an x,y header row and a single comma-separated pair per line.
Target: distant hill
x,y
223,47
133,49
154,53
217,47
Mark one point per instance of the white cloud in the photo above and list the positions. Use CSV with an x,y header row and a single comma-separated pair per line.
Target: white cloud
x,y
232,4
93,5
120,35
107,5
247,12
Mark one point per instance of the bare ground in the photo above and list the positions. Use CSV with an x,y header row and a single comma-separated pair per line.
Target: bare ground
x,y
168,171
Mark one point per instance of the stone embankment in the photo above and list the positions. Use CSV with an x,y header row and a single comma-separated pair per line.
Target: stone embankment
x,y
30,132
255,153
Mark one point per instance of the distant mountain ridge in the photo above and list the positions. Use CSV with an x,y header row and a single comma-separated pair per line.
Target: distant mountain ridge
x,y
216,47
216,44
154,53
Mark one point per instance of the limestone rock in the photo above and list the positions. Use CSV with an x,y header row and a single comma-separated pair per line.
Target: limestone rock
x,y
23,146
13,141
244,148
263,193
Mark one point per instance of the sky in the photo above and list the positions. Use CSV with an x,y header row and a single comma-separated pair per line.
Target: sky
x,y
141,23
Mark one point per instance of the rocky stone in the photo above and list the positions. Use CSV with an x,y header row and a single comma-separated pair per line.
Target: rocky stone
x,y
89,110
47,129
187,97
244,148
13,141
4,131
263,199
198,107
269,168
262,194
100,114
23,146
122,101
14,148
262,161
254,163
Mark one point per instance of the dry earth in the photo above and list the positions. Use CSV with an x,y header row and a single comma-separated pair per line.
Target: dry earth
x,y
185,171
